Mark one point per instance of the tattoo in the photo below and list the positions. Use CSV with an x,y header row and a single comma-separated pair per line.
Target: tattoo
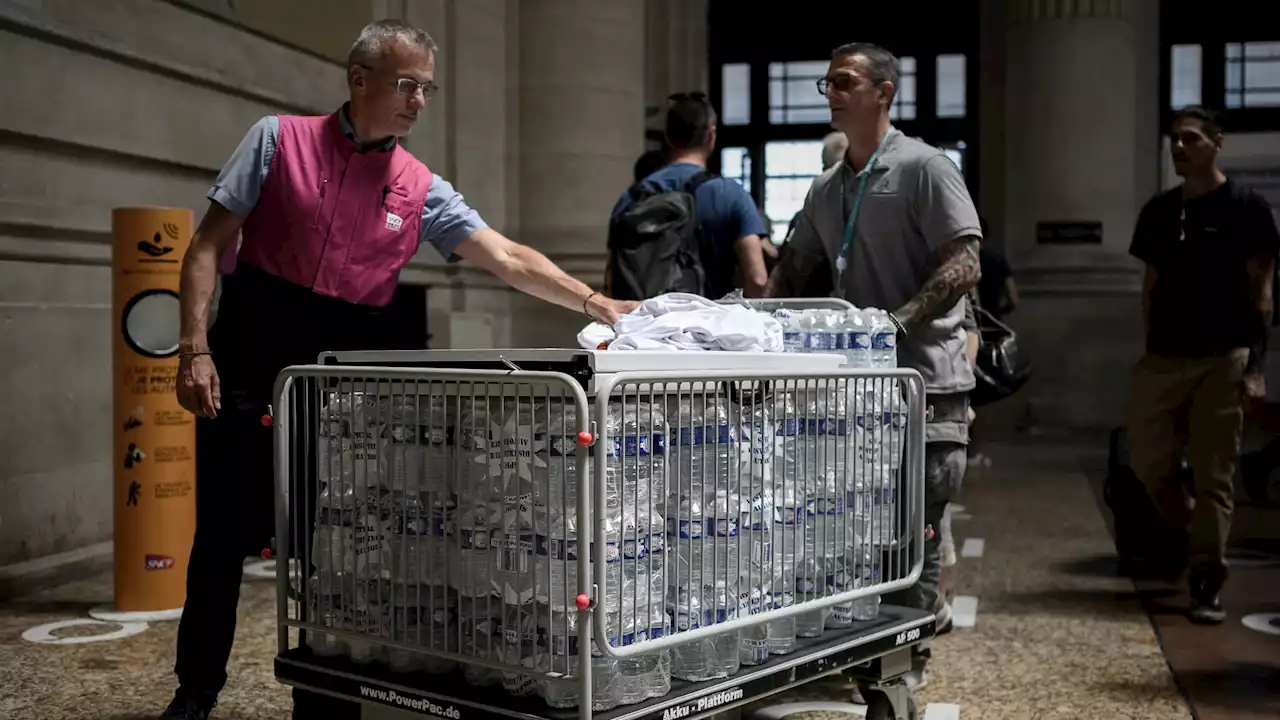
x,y
958,271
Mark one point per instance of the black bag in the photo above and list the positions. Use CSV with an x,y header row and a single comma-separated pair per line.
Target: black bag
x,y
654,244
1001,367
1146,545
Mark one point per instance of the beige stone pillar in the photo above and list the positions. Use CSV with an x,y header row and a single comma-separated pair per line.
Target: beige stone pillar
x,y
1080,101
676,53
581,119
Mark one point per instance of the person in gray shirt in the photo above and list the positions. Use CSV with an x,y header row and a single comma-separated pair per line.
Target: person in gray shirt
x,y
896,228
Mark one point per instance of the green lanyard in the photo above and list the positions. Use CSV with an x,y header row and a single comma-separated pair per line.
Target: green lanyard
x,y
851,223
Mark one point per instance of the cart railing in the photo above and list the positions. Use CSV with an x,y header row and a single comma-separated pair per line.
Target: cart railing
x,y
771,304
497,520
411,498
741,500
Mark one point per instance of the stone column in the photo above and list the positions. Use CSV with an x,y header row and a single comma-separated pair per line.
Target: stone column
x,y
1081,137
676,53
581,110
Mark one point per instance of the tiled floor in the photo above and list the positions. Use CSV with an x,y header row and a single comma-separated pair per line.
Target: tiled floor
x,y
1057,634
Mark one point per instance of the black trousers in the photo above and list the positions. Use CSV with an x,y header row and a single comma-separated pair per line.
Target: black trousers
x,y
263,326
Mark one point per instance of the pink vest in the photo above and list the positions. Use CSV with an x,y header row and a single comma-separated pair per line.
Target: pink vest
x,y
332,219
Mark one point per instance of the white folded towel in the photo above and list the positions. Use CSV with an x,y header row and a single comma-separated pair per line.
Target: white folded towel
x,y
680,321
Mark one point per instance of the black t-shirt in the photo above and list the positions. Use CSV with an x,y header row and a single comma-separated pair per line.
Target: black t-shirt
x,y
1201,303
995,271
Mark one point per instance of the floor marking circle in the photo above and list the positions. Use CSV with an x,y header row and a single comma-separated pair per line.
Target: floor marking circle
x,y
108,613
1266,623
261,570
43,634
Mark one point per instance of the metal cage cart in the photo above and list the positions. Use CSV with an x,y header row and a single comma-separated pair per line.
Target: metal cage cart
x,y
569,533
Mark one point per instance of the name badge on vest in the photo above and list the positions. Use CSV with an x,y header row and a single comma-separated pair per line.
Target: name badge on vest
x,y
394,221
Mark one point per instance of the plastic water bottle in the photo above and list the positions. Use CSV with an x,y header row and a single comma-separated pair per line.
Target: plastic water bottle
x,y
636,454
559,494
792,339
884,340
416,450
691,660
719,604
556,562
858,339
422,620
703,447
841,615
519,633
642,556
481,623
562,634
867,573
513,553
787,541
647,675
472,566
522,469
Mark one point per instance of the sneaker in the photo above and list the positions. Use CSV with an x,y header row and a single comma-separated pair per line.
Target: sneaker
x,y
942,620
190,705
1206,606
918,677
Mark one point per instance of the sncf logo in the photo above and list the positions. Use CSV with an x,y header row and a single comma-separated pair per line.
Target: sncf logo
x,y
159,562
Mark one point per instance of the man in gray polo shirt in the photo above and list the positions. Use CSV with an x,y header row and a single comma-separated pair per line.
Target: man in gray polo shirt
x,y
895,226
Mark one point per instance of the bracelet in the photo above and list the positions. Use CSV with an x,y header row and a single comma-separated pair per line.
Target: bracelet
x,y
588,301
902,329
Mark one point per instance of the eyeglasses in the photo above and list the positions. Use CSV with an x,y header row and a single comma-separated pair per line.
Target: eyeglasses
x,y
409,86
842,82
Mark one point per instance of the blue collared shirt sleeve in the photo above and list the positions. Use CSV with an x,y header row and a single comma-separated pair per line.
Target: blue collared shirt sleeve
x,y
447,220
746,216
240,183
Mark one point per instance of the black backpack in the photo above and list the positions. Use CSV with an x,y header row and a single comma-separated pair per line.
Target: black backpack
x,y
654,244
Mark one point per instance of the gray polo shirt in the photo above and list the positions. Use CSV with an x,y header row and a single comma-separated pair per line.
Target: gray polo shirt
x,y
915,202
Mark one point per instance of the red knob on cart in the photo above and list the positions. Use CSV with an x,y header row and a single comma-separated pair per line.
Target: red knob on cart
x,y
583,602
585,438
266,420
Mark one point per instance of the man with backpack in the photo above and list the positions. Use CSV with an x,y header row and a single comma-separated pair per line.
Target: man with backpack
x,y
681,229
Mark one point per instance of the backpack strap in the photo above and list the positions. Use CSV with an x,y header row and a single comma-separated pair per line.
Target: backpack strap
x,y
697,180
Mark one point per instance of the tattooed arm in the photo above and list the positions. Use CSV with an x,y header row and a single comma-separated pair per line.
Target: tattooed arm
x,y
956,273
944,213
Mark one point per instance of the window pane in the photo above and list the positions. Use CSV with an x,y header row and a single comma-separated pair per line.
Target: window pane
x,y
904,100
1184,76
783,198
735,164
793,158
1253,74
793,92
735,100
951,86
790,167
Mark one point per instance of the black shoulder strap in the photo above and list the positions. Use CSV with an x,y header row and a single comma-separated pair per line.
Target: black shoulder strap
x,y
696,181
637,191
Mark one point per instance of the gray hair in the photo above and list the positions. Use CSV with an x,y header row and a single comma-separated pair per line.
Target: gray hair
x,y
881,65
376,36
834,146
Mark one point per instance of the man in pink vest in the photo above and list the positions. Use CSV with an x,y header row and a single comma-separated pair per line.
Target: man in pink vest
x,y
329,209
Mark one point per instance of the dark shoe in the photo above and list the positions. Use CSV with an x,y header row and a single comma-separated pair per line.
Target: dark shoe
x,y
190,705
1206,586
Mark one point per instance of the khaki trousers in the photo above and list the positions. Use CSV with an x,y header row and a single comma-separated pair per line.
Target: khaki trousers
x,y
1196,404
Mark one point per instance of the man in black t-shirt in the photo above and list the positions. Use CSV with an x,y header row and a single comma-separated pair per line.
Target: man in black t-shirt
x,y
1210,247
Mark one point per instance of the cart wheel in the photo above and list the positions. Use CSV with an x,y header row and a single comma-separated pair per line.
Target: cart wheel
x,y
879,707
